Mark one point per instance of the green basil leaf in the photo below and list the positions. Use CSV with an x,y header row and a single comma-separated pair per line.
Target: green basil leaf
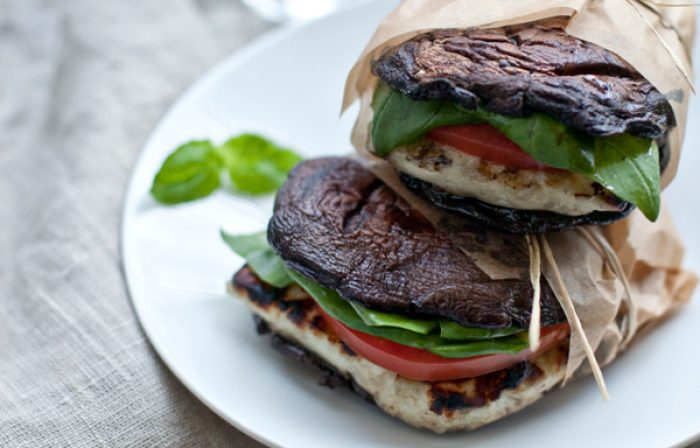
x,y
190,172
269,267
260,257
375,318
547,140
255,164
454,331
193,171
629,168
625,165
399,120
340,309
244,245
507,344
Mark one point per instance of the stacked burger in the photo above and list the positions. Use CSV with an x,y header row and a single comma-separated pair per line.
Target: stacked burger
x,y
502,132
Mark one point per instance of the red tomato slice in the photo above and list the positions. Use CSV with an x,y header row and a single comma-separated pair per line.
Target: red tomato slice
x,y
422,365
484,141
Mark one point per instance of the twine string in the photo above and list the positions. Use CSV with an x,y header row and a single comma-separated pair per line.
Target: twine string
x,y
573,318
535,273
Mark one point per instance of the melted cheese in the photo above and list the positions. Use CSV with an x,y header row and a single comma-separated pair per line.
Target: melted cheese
x,y
461,174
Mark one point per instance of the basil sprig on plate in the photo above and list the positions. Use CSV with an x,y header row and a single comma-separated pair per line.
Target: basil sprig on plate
x,y
625,165
191,172
254,165
442,337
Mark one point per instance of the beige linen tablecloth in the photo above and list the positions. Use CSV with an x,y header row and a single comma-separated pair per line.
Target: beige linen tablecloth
x,y
82,82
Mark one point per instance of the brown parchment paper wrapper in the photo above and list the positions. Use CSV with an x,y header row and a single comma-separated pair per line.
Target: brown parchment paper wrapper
x,y
648,254
651,256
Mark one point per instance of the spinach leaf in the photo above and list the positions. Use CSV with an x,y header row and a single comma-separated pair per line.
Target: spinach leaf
x,y
255,164
340,309
245,245
625,165
547,140
466,349
375,318
399,120
190,172
454,331
630,170
260,257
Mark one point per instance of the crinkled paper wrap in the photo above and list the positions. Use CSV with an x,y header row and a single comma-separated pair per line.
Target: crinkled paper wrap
x,y
649,254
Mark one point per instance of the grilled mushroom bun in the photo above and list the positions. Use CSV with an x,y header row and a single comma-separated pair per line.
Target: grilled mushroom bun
x,y
525,129
381,300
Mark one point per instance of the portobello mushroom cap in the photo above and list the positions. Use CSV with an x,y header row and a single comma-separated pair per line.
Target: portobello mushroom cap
x,y
335,222
516,71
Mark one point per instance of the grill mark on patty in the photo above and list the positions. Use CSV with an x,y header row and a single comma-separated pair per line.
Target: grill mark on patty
x,y
259,292
319,323
298,311
266,295
448,397
429,156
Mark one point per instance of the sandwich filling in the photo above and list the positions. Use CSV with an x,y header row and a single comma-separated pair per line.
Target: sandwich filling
x,y
417,348
547,166
463,174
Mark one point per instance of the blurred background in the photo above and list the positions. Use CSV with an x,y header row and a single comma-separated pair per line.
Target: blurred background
x,y
82,83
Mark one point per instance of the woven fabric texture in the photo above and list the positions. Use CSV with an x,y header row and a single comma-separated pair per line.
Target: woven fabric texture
x,y
82,83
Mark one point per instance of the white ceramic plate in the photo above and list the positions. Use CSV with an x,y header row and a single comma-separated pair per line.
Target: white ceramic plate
x,y
288,86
